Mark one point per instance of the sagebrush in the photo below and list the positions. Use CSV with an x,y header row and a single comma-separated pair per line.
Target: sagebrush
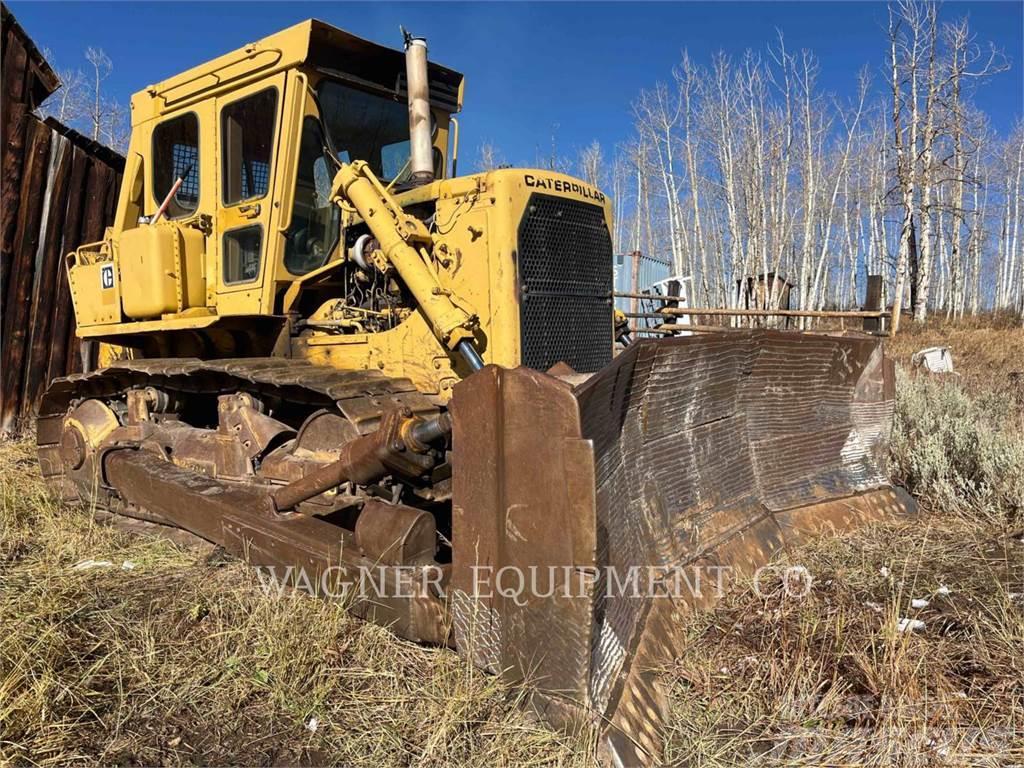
x,y
957,451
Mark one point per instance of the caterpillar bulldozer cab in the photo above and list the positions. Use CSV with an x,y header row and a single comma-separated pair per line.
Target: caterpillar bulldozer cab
x,y
322,349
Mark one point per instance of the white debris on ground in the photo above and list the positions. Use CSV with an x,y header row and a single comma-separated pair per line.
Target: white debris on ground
x,y
127,565
942,590
796,581
884,570
876,607
85,565
933,360
312,724
919,602
910,625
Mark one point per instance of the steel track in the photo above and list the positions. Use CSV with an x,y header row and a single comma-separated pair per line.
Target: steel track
x,y
361,396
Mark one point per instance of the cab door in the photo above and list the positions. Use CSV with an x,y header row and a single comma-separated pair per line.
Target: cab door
x,y
179,176
309,223
248,151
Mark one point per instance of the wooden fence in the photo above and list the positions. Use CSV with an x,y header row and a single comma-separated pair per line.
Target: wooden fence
x,y
59,191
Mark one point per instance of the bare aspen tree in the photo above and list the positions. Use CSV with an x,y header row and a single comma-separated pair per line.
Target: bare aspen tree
x,y
688,82
550,158
753,172
81,103
939,288
924,17
957,40
591,164
805,83
488,157
747,168
849,274
900,48
102,67
783,152
1002,275
620,199
658,112
726,157
976,235
69,104
872,160
636,156
851,124
115,130
1012,287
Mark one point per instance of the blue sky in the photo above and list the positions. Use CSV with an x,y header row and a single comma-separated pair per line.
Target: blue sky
x,y
529,66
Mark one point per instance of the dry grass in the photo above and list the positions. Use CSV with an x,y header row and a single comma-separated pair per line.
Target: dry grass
x,y
184,660
987,352
828,679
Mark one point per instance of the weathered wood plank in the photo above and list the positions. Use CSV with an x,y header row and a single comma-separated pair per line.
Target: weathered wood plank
x,y
113,190
12,122
9,205
62,309
94,219
43,295
19,289
58,189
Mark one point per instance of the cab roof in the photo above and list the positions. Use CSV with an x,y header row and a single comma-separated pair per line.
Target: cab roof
x,y
312,44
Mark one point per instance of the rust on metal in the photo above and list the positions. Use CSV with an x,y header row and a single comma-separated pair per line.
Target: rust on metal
x,y
394,446
307,552
396,534
696,455
708,452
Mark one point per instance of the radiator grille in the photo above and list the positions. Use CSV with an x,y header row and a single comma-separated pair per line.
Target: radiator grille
x,y
565,284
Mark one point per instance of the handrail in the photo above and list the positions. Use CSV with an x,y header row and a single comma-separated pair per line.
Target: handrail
x,y
869,313
674,311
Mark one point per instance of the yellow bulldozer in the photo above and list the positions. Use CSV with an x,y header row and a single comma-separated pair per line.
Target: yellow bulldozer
x,y
317,346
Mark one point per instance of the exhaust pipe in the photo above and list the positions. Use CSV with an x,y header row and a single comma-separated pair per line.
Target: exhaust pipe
x,y
421,158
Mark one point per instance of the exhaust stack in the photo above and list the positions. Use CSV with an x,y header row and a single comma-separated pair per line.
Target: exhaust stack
x,y
421,158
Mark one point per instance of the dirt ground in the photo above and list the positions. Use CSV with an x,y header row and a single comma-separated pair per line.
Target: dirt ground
x,y
121,649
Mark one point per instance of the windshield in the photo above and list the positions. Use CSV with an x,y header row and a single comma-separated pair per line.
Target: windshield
x,y
367,126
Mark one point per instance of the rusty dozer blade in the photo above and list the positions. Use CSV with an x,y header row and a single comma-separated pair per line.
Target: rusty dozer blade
x,y
704,454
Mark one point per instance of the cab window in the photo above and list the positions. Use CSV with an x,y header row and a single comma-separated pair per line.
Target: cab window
x,y
247,137
242,254
176,156
315,223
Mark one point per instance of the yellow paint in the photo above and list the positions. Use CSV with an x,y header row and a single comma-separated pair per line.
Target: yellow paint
x,y
168,260
109,353
169,276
